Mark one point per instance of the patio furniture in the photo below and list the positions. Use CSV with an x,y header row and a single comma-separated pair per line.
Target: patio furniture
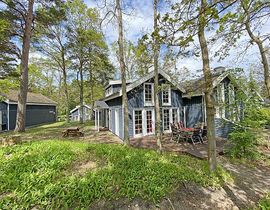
x,y
74,131
176,134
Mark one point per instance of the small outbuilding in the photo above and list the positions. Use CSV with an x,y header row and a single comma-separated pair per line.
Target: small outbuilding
x,y
39,110
75,113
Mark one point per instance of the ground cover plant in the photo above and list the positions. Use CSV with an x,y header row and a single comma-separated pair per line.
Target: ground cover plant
x,y
43,174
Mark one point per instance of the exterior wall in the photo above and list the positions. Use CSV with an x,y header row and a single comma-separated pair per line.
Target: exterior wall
x,y
136,101
35,115
86,114
116,108
4,120
194,110
223,128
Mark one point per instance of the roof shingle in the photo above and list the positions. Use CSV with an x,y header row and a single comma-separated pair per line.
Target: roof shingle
x,y
33,98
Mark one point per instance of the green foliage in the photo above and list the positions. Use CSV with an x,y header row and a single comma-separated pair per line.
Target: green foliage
x,y
243,144
264,203
42,174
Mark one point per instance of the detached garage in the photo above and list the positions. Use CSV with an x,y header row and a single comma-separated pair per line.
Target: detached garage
x,y
39,110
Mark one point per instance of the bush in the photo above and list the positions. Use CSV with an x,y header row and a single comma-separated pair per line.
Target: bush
x,y
243,144
257,118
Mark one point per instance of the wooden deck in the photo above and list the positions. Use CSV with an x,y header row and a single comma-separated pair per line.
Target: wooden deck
x,y
197,150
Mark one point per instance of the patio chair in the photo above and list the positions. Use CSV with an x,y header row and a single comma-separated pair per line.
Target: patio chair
x,y
176,133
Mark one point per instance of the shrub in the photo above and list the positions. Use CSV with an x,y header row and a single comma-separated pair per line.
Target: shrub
x,y
243,144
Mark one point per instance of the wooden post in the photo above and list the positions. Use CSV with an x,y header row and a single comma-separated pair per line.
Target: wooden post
x,y
98,120
95,119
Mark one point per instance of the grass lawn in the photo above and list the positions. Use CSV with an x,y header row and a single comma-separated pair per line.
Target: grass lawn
x,y
61,173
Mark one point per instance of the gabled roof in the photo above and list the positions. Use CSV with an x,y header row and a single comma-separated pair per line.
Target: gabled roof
x,y
77,107
101,105
32,98
196,87
141,81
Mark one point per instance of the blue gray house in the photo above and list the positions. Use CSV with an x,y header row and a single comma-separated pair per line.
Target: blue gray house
x,y
178,103
39,110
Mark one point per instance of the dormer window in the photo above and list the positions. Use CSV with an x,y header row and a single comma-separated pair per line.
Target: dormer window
x,y
148,94
166,96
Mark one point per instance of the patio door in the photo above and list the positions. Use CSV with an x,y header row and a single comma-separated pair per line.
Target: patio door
x,y
166,119
149,122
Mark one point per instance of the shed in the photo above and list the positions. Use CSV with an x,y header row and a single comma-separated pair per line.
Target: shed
x,y
39,110
75,113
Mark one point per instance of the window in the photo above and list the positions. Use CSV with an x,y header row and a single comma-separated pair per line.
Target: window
x,y
149,122
166,96
148,94
174,116
166,119
138,122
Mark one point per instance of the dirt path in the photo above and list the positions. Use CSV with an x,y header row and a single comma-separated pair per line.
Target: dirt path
x,y
249,185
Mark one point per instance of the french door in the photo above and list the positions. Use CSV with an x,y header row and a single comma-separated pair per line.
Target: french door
x,y
144,122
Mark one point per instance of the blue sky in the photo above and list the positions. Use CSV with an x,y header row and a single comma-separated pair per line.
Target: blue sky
x,y
140,21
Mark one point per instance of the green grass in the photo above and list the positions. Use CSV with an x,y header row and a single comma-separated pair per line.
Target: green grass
x,y
42,174
264,203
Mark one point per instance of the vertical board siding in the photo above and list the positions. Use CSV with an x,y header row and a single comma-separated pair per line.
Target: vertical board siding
x,y
223,128
35,115
194,110
3,109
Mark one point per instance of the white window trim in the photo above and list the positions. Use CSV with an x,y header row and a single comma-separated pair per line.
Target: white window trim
x,y
170,97
144,122
152,89
134,133
170,119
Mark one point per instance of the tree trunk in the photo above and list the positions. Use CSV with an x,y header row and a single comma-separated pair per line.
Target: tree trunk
x,y
81,95
22,96
262,50
91,80
210,108
65,81
66,94
123,70
156,89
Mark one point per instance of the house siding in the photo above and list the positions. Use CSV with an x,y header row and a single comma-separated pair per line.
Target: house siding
x,y
35,115
136,101
3,109
223,128
116,106
194,110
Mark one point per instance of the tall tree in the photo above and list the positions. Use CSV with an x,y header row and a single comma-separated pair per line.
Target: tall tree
x,y
187,24
24,13
156,48
123,69
22,97
209,100
248,8
247,18
51,41
86,40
